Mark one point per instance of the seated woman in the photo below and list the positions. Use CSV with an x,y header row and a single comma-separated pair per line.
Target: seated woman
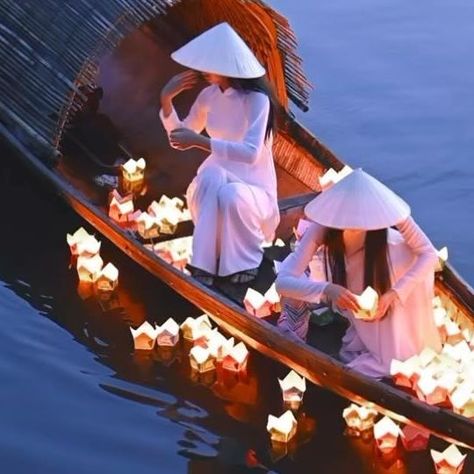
x,y
352,223
233,198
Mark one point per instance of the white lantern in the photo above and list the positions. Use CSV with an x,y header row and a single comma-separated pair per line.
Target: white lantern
x,y
329,178
368,302
121,207
134,170
256,304
293,387
194,328
148,227
360,418
74,239
168,333
108,278
282,428
428,390
236,359
406,373
88,268
201,359
219,346
144,337
449,461
273,298
386,433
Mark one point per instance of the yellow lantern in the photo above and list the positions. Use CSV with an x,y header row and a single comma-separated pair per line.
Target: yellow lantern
x,y
108,278
144,337
360,418
201,359
88,268
75,239
134,170
194,328
282,428
148,227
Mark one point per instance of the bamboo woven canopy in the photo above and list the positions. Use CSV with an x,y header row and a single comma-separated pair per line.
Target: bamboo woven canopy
x,y
50,49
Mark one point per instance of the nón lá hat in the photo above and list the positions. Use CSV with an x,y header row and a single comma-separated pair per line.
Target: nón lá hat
x,y
358,201
220,50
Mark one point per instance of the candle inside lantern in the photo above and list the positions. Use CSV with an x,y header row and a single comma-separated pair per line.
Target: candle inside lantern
x,y
134,170
368,302
293,388
449,461
144,337
386,433
108,278
282,428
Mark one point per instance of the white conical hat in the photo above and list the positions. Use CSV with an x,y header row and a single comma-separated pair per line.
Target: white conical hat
x,y
358,201
220,50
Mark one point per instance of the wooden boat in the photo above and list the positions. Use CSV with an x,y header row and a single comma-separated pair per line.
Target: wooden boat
x,y
34,118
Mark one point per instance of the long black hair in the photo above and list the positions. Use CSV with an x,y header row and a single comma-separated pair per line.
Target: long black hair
x,y
260,84
376,259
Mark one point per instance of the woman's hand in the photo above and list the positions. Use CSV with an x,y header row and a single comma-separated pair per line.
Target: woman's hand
x,y
384,304
179,83
341,297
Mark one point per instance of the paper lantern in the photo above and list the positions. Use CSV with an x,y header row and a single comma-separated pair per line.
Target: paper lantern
x,y
293,387
386,433
273,298
219,346
168,333
426,356
368,302
282,428
360,418
428,390
144,337
453,333
88,268
148,227
88,247
256,304
236,359
437,303
458,352
441,318
193,328
121,207
201,359
74,239
462,399
134,170
450,461
442,258
108,278
414,439
405,374
345,171
329,178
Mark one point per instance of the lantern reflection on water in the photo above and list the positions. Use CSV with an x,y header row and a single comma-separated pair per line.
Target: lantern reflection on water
x,y
134,170
368,302
144,337
386,433
450,461
293,387
360,418
282,428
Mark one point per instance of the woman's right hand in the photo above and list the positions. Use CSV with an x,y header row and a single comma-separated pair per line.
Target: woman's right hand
x,y
179,83
341,297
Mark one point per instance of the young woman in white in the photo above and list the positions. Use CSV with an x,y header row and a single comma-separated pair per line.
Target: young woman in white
x,y
233,198
353,231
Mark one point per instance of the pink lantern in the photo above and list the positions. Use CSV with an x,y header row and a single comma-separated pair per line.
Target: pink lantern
x,y
236,359
256,304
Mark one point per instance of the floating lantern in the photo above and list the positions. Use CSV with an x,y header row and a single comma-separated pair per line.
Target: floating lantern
x,y
462,399
201,359
282,428
121,207
88,268
386,433
414,439
273,298
426,356
301,228
256,304
293,387
442,258
453,333
148,227
458,352
88,247
144,337
236,359
169,222
194,328
368,302
405,374
74,239
168,333
360,418
450,461
108,278
441,318
219,346
428,390
134,170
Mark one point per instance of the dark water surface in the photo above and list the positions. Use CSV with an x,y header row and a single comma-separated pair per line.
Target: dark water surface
x,y
393,95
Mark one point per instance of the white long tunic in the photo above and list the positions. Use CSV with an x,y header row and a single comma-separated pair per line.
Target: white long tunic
x,y
233,199
407,329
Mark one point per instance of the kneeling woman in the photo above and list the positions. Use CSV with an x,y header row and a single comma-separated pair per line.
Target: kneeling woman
x,y
233,198
353,236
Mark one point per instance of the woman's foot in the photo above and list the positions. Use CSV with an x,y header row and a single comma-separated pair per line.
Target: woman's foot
x,y
245,276
203,277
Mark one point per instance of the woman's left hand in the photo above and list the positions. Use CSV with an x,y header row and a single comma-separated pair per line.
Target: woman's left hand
x,y
384,304
184,138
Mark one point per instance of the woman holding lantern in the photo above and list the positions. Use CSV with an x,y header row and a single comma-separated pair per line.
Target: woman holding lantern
x,y
233,198
353,231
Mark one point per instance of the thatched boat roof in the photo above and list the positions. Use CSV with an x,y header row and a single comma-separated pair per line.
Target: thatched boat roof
x,y
49,49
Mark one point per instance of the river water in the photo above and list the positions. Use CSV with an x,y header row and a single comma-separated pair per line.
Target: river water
x,y
392,95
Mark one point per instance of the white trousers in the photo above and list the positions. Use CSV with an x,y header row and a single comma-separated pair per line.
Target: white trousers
x,y
227,215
